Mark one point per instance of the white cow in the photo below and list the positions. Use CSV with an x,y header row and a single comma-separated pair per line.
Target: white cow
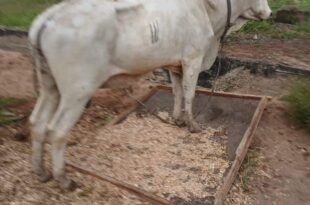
x,y
78,45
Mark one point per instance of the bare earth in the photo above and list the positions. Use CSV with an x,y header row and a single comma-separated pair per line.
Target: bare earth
x,y
295,53
283,174
282,177
15,75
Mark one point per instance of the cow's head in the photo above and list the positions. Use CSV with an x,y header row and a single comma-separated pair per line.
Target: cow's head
x,y
257,10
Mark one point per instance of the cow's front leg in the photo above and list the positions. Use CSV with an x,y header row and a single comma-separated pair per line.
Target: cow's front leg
x,y
178,98
191,69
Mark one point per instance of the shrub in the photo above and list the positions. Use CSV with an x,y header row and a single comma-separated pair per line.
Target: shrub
x,y
298,101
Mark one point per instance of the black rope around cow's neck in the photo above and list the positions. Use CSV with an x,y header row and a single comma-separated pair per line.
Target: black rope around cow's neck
x,y
228,24
222,41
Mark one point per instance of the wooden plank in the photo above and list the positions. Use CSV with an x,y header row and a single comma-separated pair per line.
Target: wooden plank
x,y
222,94
152,198
240,153
132,108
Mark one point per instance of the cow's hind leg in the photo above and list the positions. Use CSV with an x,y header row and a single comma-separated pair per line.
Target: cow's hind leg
x,y
44,109
178,98
69,111
191,69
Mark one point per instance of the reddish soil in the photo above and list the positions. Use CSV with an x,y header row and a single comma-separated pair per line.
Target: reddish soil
x,y
15,75
286,160
295,53
283,173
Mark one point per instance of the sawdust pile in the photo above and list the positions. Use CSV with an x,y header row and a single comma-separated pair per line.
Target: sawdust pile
x,y
20,186
158,157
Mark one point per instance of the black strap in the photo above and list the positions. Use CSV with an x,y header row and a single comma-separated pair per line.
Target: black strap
x,y
228,25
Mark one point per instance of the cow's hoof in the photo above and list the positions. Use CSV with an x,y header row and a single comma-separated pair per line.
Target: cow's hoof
x,y
180,122
194,127
88,105
68,185
44,177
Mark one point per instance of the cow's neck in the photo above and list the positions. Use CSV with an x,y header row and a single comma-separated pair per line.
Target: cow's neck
x,y
217,10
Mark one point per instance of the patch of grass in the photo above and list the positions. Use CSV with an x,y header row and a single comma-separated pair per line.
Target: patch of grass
x,y
5,116
20,13
248,167
303,27
254,26
9,102
278,4
271,29
5,119
298,101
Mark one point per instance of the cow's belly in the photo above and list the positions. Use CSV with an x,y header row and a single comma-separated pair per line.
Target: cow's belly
x,y
149,42
141,56
135,62
122,81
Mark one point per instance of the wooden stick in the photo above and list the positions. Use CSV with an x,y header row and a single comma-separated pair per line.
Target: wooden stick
x,y
126,112
240,153
222,94
154,199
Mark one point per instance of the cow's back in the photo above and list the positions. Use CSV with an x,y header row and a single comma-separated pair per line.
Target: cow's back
x,y
73,21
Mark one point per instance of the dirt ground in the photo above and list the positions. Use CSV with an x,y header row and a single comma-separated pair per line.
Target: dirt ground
x,y
16,75
295,52
283,172
282,175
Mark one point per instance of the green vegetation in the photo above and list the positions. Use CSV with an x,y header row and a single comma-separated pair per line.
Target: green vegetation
x,y
249,167
7,117
299,102
20,13
303,27
9,102
273,30
278,4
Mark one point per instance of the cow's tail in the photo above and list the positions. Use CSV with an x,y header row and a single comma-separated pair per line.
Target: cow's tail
x,y
35,36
